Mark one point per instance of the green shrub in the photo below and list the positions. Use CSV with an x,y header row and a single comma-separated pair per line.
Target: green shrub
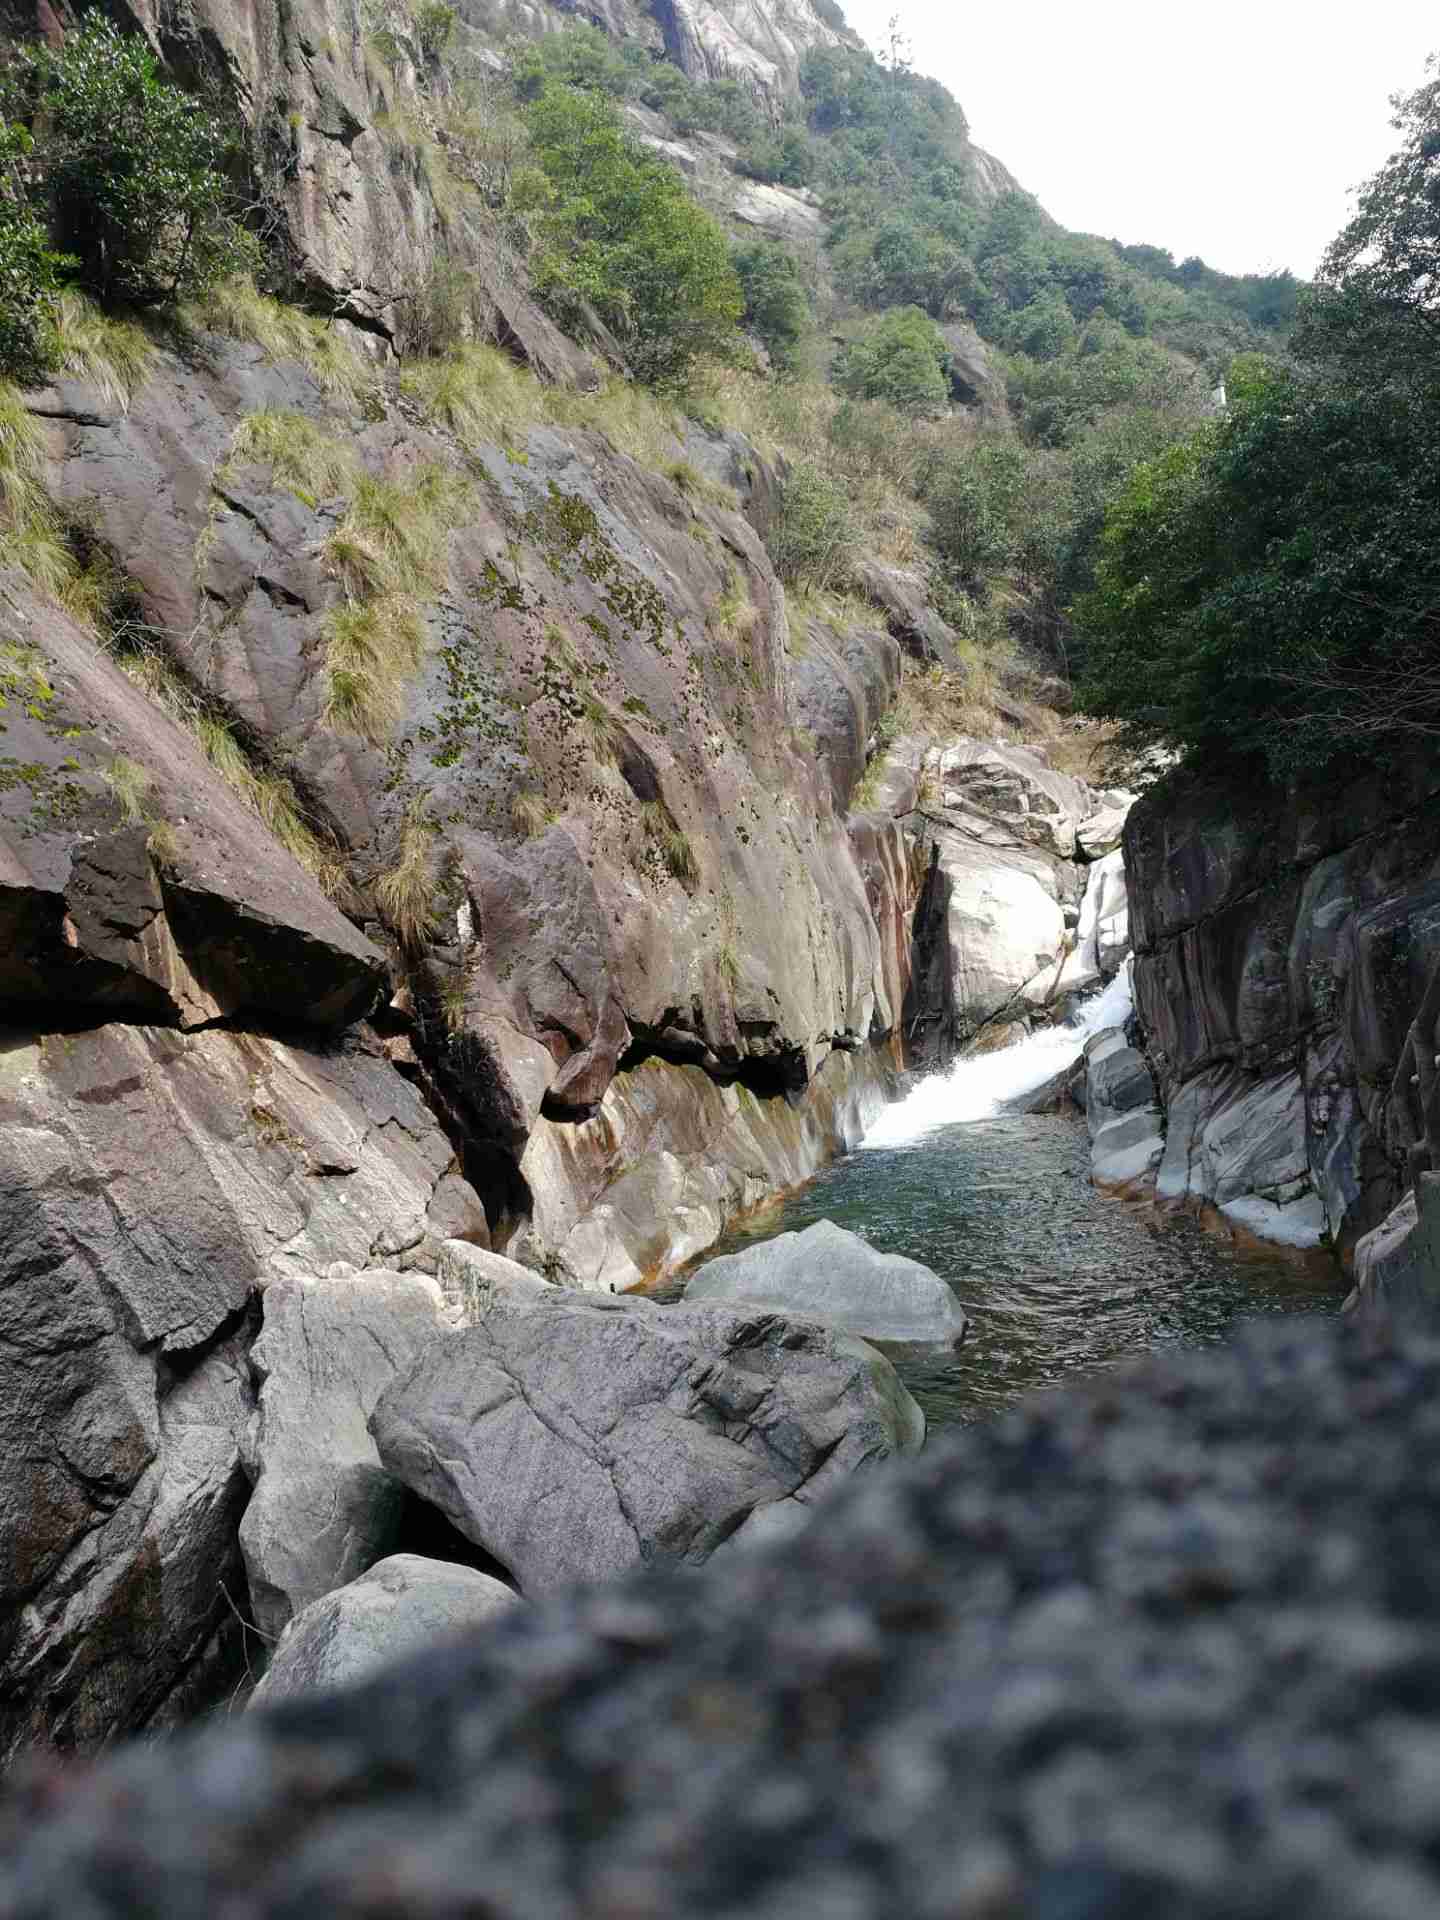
x,y
780,157
814,533
434,27
777,309
621,237
30,273
134,171
902,360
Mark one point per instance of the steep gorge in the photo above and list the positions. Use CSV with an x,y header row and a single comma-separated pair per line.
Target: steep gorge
x,y
600,905
553,929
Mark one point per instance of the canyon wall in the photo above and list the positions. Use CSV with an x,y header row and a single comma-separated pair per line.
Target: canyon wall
x,y
1283,943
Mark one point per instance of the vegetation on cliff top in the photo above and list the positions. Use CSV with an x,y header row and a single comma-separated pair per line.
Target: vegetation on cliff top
x,y
120,182
1267,589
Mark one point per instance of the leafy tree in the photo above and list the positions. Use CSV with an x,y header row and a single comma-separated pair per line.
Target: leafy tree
x,y
777,310
900,359
580,56
134,171
1376,307
1059,400
1044,329
621,238
1269,589
780,158
30,270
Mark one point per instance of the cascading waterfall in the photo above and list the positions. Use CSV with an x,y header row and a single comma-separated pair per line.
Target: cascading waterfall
x,y
981,1087
1058,1279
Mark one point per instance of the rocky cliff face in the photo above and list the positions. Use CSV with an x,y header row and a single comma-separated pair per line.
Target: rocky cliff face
x,y
434,828
761,43
1283,945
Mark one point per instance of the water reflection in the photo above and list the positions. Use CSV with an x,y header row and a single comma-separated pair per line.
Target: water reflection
x,y
1057,1279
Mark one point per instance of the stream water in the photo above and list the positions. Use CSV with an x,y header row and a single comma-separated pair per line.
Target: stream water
x,y
1057,1279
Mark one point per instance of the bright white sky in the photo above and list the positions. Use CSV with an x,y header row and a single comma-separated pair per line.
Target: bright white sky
x,y
1236,130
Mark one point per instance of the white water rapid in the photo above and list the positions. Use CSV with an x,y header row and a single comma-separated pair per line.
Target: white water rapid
x,y
981,1087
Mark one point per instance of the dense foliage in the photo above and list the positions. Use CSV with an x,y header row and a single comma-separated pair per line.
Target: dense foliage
x,y
777,307
30,270
1269,589
620,238
133,172
584,57
901,359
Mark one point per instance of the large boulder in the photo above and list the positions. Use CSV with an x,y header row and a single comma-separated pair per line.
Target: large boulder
x,y
402,1606
324,1509
828,1274
1162,1645
629,1197
1004,921
1005,796
975,382
845,680
152,1183
1397,1264
572,1438
1102,937
904,598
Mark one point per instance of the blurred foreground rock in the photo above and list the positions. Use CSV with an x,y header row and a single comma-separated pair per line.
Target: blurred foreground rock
x,y
1165,1646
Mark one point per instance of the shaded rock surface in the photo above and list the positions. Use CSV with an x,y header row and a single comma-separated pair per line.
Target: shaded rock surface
x,y
1102,936
96,909
828,1274
672,1154
401,1606
974,381
152,1183
1196,1677
472,1279
1283,947
1013,917
323,1509
1397,1264
574,1438
1127,1128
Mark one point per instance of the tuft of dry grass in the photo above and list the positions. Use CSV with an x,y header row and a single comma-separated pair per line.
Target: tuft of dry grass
x,y
389,555
113,355
405,892
303,457
670,842
268,795
239,311
530,814
32,536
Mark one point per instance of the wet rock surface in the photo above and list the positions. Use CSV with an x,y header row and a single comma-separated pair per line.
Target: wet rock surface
x,y
573,1438
1195,1678
1127,1128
